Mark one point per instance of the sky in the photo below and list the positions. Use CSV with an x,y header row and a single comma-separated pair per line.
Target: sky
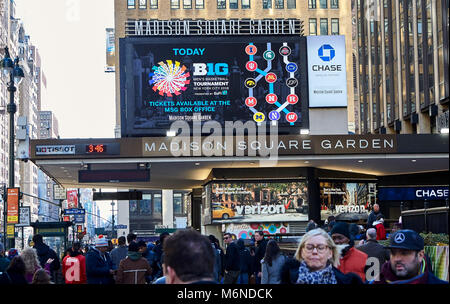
x,y
71,39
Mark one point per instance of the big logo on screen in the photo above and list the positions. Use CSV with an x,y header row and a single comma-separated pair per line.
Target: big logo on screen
x,y
169,78
326,52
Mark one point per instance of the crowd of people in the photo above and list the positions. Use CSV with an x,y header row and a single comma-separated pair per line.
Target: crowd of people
x,y
325,255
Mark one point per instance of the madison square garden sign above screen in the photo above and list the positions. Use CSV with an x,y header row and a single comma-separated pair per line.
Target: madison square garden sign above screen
x,y
262,79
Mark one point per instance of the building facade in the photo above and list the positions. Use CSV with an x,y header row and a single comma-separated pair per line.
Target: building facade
x,y
402,51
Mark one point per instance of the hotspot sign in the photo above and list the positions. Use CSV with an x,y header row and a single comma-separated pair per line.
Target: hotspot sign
x,y
327,77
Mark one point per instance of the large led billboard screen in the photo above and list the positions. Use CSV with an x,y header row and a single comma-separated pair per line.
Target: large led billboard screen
x,y
262,79
257,202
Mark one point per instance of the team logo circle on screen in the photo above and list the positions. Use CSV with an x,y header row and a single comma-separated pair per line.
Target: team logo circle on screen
x,y
326,52
169,78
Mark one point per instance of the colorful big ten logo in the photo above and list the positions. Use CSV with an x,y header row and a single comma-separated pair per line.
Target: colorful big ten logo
x,y
250,101
259,117
291,117
271,98
210,69
292,99
271,78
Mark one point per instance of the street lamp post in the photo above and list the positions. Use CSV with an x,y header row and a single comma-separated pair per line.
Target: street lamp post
x,y
15,73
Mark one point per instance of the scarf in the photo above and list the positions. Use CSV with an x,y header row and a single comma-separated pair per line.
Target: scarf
x,y
323,276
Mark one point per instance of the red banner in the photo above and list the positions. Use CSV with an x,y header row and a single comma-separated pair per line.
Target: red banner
x,y
13,205
72,199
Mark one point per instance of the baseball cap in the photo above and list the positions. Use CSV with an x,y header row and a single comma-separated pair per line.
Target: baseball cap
x,y
406,239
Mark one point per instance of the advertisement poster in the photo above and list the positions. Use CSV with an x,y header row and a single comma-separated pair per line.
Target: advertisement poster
x,y
346,201
256,79
259,202
72,199
13,205
246,231
327,77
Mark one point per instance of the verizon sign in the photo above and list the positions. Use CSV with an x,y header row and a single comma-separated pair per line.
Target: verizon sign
x,y
55,150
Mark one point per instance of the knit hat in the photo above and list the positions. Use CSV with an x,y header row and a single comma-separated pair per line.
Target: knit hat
x,y
101,241
341,228
12,253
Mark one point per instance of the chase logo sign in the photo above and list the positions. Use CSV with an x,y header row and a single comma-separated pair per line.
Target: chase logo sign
x,y
326,52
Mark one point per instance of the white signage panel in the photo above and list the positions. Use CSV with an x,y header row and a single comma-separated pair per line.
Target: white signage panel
x,y
327,77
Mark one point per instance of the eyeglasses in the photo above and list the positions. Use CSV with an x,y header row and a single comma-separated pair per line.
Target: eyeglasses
x,y
320,248
226,238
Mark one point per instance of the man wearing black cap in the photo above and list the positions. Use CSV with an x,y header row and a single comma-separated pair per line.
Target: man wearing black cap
x,y
352,259
407,264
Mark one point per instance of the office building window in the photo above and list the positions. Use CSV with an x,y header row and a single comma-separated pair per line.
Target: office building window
x,y
323,3
233,4
323,26
221,4
131,4
279,4
334,26
187,4
312,4
142,4
245,4
177,203
199,4
153,4
313,27
334,3
157,204
267,4
174,4
291,4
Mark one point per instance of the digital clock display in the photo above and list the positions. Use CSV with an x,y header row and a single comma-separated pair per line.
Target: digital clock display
x,y
96,149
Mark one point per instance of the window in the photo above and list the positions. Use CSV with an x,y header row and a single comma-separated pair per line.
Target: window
x,y
245,4
131,4
267,4
233,4
323,3
177,203
313,27
334,3
279,3
312,4
174,4
153,4
323,26
221,4
199,4
157,204
291,4
142,4
144,206
334,26
187,4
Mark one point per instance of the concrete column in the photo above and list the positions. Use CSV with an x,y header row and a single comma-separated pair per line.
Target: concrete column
x,y
167,208
123,217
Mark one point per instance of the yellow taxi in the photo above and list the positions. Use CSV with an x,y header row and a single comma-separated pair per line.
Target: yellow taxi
x,y
221,212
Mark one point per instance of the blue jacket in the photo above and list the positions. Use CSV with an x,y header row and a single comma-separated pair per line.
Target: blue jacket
x,y
117,255
97,268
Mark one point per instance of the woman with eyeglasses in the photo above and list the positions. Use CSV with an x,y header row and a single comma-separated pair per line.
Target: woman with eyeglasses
x,y
319,257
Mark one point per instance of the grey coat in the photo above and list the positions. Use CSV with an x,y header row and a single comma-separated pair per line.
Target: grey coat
x,y
272,274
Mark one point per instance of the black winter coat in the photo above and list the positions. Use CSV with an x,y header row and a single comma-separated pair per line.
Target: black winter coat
x,y
246,261
232,258
44,253
260,252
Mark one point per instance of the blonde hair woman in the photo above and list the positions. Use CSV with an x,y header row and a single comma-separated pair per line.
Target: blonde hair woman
x,y
30,258
319,256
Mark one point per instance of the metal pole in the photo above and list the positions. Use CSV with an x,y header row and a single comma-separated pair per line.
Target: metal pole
x,y
5,196
11,108
112,229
